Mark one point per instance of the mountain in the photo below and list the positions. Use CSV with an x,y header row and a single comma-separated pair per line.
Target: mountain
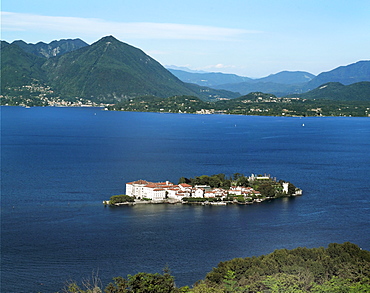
x,y
111,70
359,91
353,73
282,83
287,77
209,79
106,71
55,48
296,82
19,68
219,79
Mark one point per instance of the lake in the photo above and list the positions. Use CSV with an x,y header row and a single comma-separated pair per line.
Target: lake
x,y
59,164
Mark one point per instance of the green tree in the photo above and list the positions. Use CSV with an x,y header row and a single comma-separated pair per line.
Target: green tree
x,y
184,180
242,181
119,286
291,188
267,189
151,283
120,199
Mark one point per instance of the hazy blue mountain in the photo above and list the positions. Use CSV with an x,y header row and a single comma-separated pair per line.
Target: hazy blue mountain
x,y
55,48
287,77
353,73
359,91
210,79
356,72
217,78
282,83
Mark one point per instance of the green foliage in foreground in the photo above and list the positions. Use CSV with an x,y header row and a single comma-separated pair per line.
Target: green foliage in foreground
x,y
122,198
340,268
343,266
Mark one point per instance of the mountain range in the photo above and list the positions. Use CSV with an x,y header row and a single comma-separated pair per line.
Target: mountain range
x,y
279,84
111,71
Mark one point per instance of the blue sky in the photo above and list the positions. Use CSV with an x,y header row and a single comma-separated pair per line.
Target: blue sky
x,y
252,38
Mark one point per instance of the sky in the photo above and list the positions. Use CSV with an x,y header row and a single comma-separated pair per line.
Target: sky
x,y
253,38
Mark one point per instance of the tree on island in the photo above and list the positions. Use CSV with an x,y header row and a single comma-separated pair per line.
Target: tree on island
x,y
122,198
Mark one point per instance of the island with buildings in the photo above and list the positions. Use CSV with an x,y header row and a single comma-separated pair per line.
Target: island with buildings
x,y
214,190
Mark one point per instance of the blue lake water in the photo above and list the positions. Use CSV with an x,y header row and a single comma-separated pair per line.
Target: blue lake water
x,y
59,164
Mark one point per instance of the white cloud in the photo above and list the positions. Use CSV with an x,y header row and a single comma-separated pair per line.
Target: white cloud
x,y
219,66
99,27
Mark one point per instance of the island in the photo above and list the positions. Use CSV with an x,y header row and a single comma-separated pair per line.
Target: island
x,y
206,190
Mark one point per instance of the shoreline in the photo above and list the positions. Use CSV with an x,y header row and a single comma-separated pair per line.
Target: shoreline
x,y
103,108
204,203
206,190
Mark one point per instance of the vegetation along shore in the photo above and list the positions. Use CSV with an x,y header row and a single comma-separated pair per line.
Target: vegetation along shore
x,y
336,269
213,190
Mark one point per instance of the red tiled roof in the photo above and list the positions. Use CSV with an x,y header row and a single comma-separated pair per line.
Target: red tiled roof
x,y
164,183
151,185
185,185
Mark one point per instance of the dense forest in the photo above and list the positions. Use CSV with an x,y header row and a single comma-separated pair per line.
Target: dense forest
x,y
339,268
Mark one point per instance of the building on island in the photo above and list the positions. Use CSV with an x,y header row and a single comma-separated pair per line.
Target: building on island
x,y
142,189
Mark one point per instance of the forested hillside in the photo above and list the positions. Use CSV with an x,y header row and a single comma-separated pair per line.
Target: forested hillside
x,y
359,91
108,71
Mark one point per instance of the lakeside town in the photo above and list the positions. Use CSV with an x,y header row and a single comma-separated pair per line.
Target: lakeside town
x,y
142,191
257,103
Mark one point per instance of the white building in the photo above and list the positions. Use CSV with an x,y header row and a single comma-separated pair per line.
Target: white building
x,y
158,190
285,187
136,188
142,189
